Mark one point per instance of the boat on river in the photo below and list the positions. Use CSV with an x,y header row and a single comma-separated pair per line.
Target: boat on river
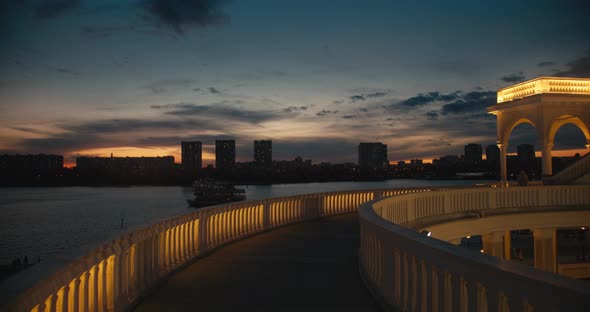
x,y
210,192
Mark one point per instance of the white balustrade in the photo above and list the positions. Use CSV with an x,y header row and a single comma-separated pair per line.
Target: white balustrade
x,y
571,173
408,270
413,272
111,277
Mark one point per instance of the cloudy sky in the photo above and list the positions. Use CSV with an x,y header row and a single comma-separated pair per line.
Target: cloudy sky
x,y
135,77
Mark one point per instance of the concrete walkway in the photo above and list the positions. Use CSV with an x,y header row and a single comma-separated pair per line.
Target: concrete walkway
x,y
310,266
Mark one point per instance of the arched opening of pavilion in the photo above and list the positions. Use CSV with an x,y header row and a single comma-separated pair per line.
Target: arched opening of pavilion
x,y
569,146
522,144
548,103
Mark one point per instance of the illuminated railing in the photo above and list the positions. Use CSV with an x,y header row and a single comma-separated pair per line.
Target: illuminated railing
x,y
413,272
113,276
571,173
558,85
575,270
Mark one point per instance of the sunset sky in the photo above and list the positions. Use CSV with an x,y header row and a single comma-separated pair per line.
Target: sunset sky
x,y
135,77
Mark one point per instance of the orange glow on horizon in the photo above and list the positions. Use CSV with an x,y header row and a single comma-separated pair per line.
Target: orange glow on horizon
x,y
130,151
209,158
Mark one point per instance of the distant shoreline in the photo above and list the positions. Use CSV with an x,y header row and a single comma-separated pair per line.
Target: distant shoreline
x,y
235,181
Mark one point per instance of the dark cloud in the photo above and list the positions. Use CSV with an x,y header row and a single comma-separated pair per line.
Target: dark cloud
x,y
350,116
126,125
116,132
376,95
511,78
221,111
432,115
365,96
292,109
175,140
449,97
471,102
213,90
546,63
420,99
54,8
325,112
579,68
426,98
357,98
29,130
179,14
62,143
9,9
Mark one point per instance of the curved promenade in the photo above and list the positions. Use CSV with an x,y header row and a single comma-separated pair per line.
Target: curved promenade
x,y
113,276
402,267
309,266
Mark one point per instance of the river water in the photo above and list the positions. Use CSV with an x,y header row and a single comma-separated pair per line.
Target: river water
x,y
47,222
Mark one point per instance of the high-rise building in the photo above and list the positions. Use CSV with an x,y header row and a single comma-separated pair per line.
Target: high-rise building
x,y
473,154
493,154
525,153
373,155
192,155
225,154
263,153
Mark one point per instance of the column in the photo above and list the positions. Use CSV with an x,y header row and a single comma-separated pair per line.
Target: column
x,y
438,289
545,249
388,273
103,276
493,244
503,170
546,158
111,283
83,284
93,289
73,304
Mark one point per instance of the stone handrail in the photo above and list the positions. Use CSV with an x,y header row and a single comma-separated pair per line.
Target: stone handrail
x,y
571,173
114,275
413,272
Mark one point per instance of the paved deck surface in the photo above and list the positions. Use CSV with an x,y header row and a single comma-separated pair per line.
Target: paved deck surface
x,y
310,266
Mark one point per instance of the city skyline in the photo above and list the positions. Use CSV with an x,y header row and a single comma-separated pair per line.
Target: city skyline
x,y
191,155
91,78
